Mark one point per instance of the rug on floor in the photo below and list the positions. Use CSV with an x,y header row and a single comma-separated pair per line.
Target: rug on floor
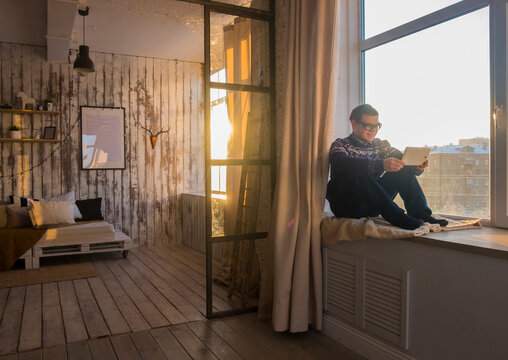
x,y
46,274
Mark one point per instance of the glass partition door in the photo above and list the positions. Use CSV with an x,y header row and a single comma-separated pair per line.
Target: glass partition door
x,y
240,152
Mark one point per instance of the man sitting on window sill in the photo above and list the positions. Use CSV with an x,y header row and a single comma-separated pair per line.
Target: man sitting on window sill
x,y
367,174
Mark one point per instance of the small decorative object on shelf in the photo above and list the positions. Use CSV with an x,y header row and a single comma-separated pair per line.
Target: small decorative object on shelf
x,y
49,132
27,103
49,105
15,132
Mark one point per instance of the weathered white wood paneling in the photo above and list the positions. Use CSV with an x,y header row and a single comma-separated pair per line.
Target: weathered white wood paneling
x,y
144,199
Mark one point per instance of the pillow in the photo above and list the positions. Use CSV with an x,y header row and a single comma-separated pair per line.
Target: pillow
x,y
51,212
21,201
18,201
3,217
17,217
90,209
69,196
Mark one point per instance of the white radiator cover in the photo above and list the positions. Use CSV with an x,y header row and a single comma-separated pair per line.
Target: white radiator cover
x,y
368,294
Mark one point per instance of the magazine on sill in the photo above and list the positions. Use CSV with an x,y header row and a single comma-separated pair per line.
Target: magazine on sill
x,y
459,224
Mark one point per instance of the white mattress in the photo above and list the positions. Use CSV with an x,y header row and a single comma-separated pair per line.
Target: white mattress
x,y
100,231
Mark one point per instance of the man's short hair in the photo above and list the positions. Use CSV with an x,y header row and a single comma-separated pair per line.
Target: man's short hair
x,y
360,110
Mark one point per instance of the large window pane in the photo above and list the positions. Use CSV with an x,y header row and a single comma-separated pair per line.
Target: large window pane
x,y
381,16
432,89
239,50
239,124
244,206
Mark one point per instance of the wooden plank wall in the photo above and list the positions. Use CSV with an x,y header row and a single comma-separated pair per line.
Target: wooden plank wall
x,y
144,199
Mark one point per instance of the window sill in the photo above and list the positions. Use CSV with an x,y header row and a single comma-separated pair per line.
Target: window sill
x,y
488,241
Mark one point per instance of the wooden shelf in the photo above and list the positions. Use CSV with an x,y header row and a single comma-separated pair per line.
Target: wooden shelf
x,y
29,112
8,140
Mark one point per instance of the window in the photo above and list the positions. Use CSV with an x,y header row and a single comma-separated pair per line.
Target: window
x,y
430,81
406,10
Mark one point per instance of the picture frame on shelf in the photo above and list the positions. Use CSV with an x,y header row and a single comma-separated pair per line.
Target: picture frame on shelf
x,y
49,133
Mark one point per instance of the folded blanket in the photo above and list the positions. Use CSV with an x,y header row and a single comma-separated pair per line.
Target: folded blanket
x,y
15,242
334,230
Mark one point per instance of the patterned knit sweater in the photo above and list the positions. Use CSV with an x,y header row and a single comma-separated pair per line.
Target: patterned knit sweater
x,y
352,156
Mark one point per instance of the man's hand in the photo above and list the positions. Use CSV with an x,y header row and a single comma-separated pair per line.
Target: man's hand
x,y
392,164
423,166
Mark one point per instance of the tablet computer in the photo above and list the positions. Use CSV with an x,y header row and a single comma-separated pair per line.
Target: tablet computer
x,y
415,155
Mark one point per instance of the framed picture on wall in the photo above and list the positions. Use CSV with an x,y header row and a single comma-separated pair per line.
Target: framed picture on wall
x,y
102,137
49,132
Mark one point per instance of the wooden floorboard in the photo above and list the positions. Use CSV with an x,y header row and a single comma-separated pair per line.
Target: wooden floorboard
x,y
147,346
101,349
74,324
161,303
11,320
214,342
193,279
52,324
112,315
31,327
55,353
78,351
124,348
150,305
149,311
182,287
247,349
30,355
130,312
92,316
190,342
168,289
4,293
169,345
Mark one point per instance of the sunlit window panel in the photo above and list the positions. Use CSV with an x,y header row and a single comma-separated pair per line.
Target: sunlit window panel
x,y
432,89
245,58
239,124
241,47
244,205
397,12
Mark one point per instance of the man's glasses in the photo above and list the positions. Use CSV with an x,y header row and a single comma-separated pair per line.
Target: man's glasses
x,y
370,127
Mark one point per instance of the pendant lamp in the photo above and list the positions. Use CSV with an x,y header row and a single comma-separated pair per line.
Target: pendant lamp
x,y
83,63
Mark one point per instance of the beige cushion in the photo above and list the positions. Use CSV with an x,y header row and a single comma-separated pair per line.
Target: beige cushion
x,y
51,212
69,196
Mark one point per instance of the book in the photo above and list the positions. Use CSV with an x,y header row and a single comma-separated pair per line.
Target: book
x,y
415,156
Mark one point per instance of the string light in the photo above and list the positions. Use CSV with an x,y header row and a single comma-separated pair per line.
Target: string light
x,y
58,148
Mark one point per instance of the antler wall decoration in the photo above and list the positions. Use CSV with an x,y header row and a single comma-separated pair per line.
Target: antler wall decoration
x,y
153,137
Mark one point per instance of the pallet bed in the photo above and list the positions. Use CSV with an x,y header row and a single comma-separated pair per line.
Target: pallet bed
x,y
98,236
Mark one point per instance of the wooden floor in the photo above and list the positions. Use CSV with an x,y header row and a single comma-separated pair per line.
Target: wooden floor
x,y
150,305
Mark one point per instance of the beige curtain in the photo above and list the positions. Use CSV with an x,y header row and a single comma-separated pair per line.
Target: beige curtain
x,y
303,172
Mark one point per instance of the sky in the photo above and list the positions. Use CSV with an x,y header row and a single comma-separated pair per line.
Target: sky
x,y
431,87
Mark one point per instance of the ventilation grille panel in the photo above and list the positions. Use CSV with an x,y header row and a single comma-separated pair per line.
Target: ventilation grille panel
x,y
341,280
371,295
383,303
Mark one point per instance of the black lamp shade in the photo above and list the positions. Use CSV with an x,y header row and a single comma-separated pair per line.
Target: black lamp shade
x,y
83,62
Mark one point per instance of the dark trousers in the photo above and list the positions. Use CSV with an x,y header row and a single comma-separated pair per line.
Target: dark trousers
x,y
369,195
